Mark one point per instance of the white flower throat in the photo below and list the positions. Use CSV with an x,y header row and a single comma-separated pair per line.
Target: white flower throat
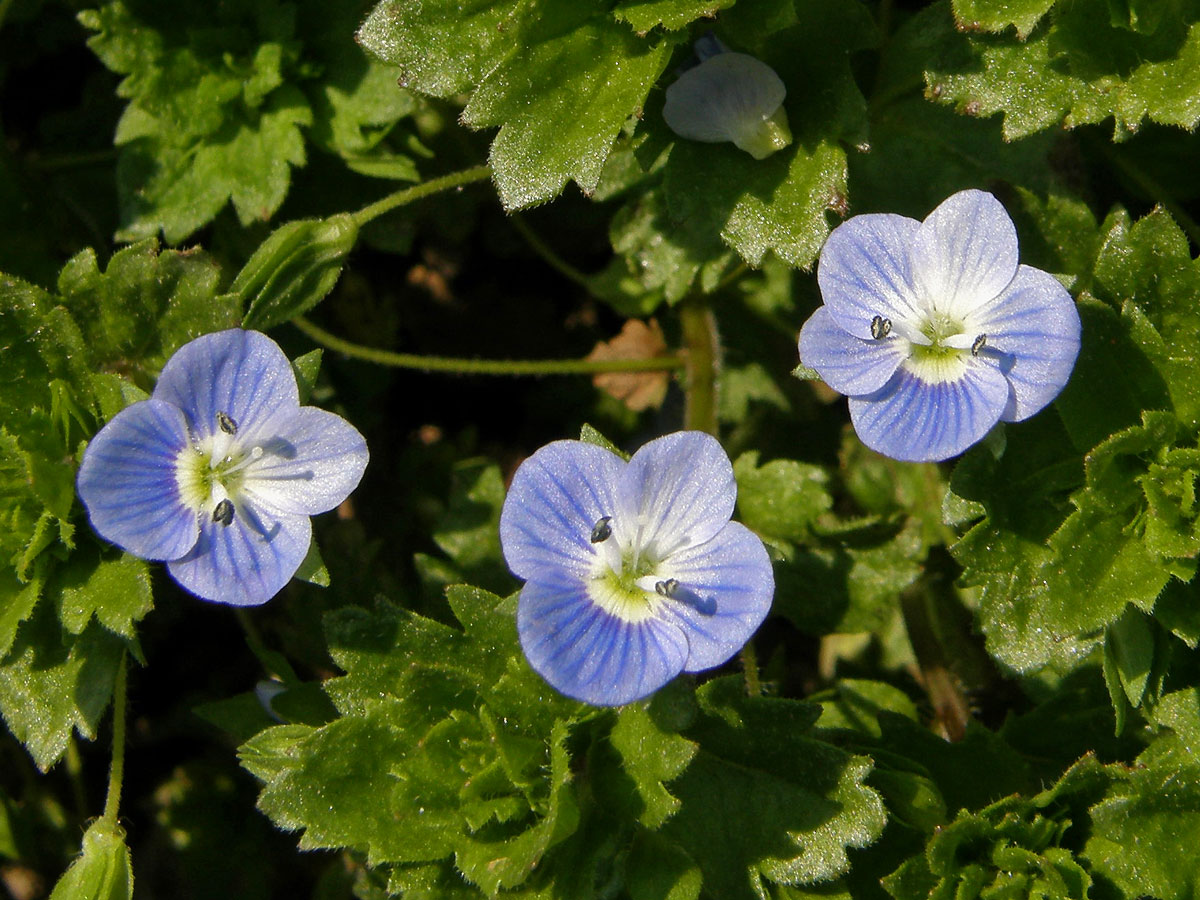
x,y
211,472
630,578
938,349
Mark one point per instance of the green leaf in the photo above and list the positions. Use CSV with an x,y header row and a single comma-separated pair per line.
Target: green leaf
x,y
764,801
1047,596
533,68
145,304
660,870
103,872
1130,641
652,752
294,269
567,66
111,587
499,862
996,15
851,583
1146,270
643,15
1082,69
447,744
782,498
1137,828
306,369
53,682
211,117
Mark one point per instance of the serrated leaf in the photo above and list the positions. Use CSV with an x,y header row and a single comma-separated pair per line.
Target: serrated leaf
x,y
506,862
112,587
145,304
996,15
420,765
850,585
1137,828
103,872
533,67
653,753
781,498
763,801
1147,268
593,65
52,682
294,269
1082,69
644,15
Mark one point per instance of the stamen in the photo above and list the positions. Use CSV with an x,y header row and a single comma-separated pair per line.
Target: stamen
x,y
226,422
671,588
880,327
978,344
602,530
224,512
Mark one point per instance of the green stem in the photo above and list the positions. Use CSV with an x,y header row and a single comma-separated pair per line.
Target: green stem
x,y
116,774
485,366
547,253
950,705
417,192
750,669
60,161
700,339
1155,189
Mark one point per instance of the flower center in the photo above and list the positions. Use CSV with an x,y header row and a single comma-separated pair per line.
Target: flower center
x,y
628,581
210,474
939,349
617,582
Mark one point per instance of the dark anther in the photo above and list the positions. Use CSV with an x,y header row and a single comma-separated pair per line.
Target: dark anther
x,y
226,422
224,512
602,530
978,344
880,327
667,588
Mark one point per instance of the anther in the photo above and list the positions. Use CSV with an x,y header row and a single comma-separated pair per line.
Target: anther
x,y
602,530
880,327
671,588
226,422
224,512
978,344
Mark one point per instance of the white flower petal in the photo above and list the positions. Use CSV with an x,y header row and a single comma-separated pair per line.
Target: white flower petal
x,y
728,97
964,254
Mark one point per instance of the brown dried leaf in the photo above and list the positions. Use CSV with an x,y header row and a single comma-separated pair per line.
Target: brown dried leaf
x,y
637,340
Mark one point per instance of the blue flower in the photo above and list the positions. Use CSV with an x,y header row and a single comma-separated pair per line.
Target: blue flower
x,y
633,571
218,472
934,330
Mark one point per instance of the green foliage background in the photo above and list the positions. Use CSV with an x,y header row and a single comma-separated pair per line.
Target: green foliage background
x,y
980,679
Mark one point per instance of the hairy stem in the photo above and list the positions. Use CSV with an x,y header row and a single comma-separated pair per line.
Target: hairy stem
x,y
116,774
417,192
547,253
464,366
700,339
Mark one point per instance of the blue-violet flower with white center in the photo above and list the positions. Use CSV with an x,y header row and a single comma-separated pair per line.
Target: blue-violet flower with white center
x,y
633,571
218,472
934,330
